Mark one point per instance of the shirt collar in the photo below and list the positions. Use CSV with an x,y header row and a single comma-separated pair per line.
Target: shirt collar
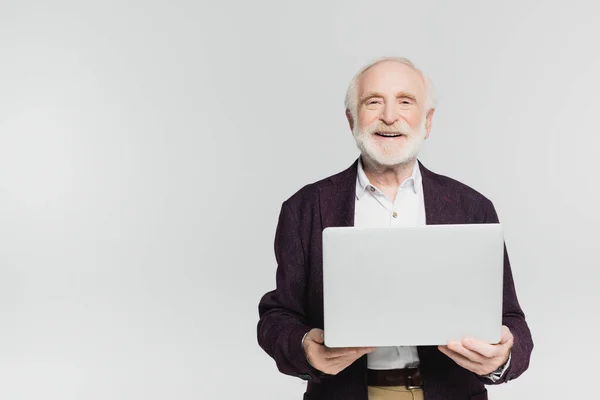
x,y
362,181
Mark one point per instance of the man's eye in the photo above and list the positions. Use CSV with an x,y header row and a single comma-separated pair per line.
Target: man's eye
x,y
374,102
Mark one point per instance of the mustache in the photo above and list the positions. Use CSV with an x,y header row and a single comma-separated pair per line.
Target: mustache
x,y
398,127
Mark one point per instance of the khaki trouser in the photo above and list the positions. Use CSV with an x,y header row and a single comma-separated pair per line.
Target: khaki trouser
x,y
394,393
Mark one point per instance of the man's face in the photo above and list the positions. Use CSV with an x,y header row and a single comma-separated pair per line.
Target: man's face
x,y
390,124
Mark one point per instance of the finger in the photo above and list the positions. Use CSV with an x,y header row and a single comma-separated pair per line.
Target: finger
x,y
367,350
462,361
482,348
363,351
348,351
507,335
457,347
341,352
316,335
320,357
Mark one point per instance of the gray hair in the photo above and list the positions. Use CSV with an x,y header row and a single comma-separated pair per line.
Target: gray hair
x,y
351,101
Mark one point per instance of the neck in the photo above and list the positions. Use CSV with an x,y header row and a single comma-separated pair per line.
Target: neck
x,y
387,178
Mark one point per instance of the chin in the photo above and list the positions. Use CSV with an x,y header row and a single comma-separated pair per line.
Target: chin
x,y
388,157
389,161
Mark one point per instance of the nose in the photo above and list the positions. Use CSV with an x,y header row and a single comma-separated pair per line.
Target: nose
x,y
389,114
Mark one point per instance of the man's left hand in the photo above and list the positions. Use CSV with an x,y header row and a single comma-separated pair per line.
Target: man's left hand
x,y
480,357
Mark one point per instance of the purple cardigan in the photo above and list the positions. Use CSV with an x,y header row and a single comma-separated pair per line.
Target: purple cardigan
x,y
296,305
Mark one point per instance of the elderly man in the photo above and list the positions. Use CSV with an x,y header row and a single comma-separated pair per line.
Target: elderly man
x,y
389,106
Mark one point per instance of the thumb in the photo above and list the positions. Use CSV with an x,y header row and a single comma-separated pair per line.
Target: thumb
x,y
316,335
506,335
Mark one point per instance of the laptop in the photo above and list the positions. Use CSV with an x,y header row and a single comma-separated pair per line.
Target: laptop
x,y
412,286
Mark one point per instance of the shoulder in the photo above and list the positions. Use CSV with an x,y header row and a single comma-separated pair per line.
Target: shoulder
x,y
453,186
458,193
309,194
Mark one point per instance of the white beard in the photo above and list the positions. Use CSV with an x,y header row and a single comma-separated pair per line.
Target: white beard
x,y
394,153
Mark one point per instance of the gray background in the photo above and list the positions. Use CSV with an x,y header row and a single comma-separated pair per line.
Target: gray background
x,y
146,147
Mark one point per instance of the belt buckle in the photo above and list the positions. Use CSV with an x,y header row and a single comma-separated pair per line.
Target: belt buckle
x,y
409,381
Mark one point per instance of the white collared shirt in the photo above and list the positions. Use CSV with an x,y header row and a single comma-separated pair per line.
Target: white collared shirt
x,y
375,209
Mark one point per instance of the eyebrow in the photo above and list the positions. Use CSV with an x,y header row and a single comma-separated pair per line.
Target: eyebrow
x,y
370,95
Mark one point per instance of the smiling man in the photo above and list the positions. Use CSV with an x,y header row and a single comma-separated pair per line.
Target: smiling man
x,y
389,107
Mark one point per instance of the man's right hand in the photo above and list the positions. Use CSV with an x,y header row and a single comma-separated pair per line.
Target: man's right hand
x,y
330,360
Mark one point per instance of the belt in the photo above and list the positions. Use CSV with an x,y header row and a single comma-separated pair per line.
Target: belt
x,y
408,377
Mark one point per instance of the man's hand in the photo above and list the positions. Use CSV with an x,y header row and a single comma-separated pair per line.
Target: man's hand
x,y
330,360
480,357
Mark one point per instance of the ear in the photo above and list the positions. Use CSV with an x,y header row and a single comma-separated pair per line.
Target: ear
x,y
429,117
350,119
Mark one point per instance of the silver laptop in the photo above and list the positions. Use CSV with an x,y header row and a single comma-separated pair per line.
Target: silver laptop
x,y
410,286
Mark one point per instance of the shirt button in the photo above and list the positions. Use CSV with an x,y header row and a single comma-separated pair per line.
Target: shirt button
x,y
395,214
372,189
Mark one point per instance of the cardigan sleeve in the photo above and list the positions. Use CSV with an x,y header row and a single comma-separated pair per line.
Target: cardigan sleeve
x,y
282,312
512,316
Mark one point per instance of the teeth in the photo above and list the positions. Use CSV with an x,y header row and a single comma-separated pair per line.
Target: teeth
x,y
389,134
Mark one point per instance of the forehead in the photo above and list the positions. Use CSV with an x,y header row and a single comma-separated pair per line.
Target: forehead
x,y
391,77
